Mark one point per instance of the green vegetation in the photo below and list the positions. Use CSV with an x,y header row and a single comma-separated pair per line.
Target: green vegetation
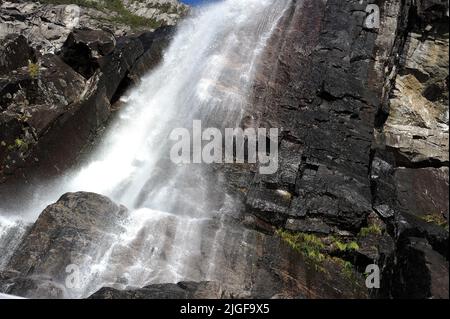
x,y
348,270
19,144
436,219
308,245
343,247
33,69
372,229
314,249
122,16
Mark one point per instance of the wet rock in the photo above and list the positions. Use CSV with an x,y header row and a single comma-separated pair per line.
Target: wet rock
x,y
423,192
10,129
313,225
336,199
422,270
268,204
70,97
154,45
182,290
81,227
407,225
64,234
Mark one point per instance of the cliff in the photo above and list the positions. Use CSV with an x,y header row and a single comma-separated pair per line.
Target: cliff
x,y
363,175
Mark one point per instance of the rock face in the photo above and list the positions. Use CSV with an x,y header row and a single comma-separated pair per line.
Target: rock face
x,y
47,26
410,162
182,290
363,175
352,100
64,235
52,103
168,11
82,227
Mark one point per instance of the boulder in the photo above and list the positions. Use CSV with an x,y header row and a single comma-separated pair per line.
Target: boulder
x,y
65,234
422,271
84,49
14,53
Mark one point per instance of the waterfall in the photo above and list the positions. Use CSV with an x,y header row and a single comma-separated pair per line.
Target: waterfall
x,y
176,212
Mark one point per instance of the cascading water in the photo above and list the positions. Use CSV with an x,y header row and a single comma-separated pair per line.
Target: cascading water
x,y
174,229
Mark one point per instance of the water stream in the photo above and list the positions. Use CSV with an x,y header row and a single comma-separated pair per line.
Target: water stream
x,y
174,228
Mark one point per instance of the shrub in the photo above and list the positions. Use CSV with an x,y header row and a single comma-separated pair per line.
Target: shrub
x,y
33,69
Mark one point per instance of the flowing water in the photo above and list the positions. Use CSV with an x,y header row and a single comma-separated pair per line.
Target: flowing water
x,y
206,74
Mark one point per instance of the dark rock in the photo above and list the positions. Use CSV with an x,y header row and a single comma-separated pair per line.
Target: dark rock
x,y
269,204
423,192
154,45
383,186
64,234
182,290
14,53
422,272
60,110
248,263
84,49
10,129
407,226
338,199
310,225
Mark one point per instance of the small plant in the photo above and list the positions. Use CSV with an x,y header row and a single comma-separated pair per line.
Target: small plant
x,y
19,144
310,246
314,249
372,229
348,246
33,69
436,219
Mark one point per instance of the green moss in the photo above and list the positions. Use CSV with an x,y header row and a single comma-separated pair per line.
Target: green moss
x,y
19,144
344,246
348,271
436,219
315,250
310,246
372,229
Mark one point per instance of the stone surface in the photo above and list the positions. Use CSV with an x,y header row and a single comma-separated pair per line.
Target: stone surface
x,y
363,115
423,192
14,53
181,290
423,273
47,26
63,235
80,228
53,106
